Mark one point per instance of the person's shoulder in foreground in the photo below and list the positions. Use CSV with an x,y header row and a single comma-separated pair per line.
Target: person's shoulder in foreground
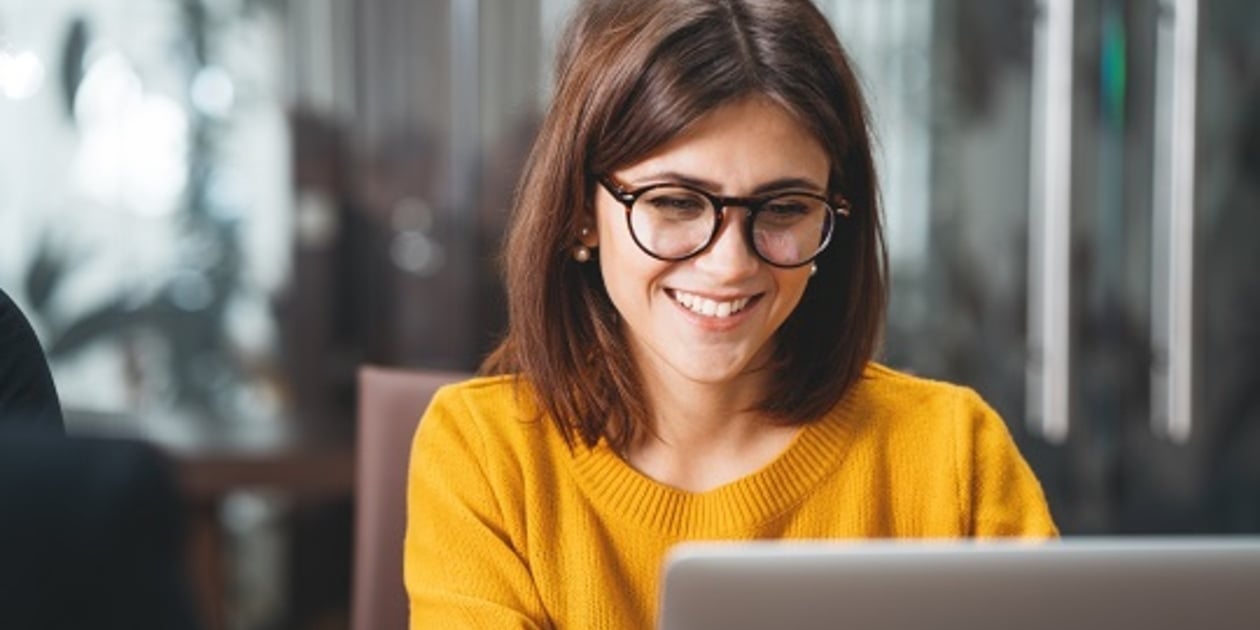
x,y
91,535
28,397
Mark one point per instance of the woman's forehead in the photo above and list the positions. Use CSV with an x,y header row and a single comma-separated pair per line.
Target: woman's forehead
x,y
742,144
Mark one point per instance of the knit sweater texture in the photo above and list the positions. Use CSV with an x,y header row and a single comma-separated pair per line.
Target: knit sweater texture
x,y
510,527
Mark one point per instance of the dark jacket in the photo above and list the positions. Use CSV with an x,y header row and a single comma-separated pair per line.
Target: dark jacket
x,y
27,394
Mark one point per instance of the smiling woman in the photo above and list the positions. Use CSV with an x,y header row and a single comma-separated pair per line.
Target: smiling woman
x,y
704,359
696,281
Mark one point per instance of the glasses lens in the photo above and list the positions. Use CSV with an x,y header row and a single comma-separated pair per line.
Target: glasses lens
x,y
791,229
672,222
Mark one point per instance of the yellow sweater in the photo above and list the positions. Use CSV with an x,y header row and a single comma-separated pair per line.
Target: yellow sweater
x,y
509,528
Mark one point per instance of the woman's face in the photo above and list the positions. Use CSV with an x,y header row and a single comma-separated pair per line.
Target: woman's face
x,y
712,317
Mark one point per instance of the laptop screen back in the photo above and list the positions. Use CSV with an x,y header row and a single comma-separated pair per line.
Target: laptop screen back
x,y
1139,584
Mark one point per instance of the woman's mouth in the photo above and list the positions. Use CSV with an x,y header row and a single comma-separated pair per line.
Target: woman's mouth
x,y
709,307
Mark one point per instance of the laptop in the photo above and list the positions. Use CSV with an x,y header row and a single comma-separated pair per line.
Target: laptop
x,y
1103,583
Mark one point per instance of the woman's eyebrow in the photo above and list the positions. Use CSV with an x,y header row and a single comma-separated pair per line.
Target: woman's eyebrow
x,y
782,183
789,183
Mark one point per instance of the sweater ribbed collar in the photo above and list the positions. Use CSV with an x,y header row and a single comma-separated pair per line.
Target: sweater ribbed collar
x,y
619,489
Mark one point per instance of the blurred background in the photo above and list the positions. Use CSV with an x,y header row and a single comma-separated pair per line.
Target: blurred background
x,y
215,210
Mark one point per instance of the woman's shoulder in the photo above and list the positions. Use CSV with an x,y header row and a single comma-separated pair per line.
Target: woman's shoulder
x,y
482,385
932,426
897,400
925,415
481,394
885,384
493,409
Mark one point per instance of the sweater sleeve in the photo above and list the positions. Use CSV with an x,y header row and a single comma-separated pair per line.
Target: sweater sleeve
x,y
1006,499
460,565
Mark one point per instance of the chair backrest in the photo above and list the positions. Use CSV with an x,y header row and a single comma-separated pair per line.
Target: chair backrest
x,y
391,402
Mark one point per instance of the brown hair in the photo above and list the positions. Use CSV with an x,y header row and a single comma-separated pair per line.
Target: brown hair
x,y
632,75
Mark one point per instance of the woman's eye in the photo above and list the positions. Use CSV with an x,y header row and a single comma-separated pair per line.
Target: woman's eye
x,y
677,203
784,212
786,208
677,206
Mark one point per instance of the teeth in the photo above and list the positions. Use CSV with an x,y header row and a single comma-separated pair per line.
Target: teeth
x,y
710,308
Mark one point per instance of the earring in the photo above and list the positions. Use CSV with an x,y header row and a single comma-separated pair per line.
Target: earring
x,y
813,269
582,253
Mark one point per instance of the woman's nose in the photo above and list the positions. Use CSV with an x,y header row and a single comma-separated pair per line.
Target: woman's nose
x,y
730,255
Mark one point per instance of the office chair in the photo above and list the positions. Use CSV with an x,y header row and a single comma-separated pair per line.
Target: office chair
x,y
391,402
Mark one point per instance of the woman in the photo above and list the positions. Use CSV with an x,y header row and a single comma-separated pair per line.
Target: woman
x,y
696,281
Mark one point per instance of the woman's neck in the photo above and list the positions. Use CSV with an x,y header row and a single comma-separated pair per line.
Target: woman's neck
x,y
703,435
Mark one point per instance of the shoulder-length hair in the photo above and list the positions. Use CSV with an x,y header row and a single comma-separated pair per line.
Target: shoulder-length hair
x,y
632,75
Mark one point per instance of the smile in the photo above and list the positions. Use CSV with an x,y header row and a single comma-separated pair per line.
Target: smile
x,y
701,305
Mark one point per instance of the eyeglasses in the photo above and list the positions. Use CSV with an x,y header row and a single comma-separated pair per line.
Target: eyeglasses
x,y
674,222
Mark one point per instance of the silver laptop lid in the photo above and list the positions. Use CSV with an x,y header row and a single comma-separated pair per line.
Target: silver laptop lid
x,y
1140,584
